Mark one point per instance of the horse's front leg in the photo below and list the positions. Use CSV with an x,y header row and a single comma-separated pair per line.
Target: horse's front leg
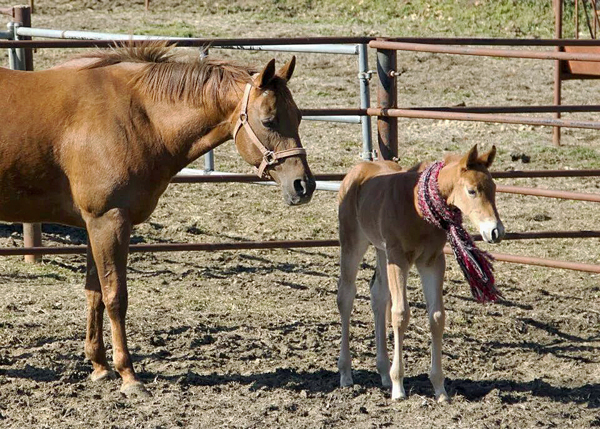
x,y
432,278
109,238
397,272
94,341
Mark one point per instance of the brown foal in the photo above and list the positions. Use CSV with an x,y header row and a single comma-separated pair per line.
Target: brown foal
x,y
378,205
93,143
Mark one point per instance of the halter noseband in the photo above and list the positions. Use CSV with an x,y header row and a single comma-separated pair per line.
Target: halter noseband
x,y
269,157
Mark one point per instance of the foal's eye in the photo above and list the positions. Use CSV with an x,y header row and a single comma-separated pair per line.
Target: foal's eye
x,y
471,192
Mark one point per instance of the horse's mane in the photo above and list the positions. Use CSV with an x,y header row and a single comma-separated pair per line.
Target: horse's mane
x,y
175,76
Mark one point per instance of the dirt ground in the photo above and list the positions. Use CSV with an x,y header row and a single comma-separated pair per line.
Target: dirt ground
x,y
250,338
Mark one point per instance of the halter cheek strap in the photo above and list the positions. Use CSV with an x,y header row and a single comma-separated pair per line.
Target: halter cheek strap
x,y
269,157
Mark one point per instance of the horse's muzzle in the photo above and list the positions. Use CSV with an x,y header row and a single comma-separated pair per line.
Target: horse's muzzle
x,y
301,191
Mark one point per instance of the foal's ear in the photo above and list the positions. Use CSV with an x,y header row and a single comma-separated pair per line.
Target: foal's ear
x,y
266,75
287,70
487,158
470,159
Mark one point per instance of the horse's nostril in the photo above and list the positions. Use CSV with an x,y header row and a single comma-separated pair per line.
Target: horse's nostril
x,y
300,187
495,234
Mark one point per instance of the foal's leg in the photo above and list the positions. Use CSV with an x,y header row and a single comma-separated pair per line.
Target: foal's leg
x,y
352,250
432,278
94,342
380,303
397,272
109,239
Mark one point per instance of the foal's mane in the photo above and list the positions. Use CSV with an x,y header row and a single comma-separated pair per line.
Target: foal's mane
x,y
174,76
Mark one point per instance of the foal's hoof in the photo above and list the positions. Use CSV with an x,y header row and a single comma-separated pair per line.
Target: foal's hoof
x,y
398,394
443,398
103,375
135,390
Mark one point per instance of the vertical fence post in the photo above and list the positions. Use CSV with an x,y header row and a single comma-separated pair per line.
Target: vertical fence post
x,y
387,95
558,16
22,59
364,76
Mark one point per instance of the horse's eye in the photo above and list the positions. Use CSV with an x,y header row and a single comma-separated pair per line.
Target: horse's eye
x,y
269,122
471,192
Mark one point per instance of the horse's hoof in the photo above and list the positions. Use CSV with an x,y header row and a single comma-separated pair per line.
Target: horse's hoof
x,y
386,382
398,394
443,398
103,375
135,390
346,381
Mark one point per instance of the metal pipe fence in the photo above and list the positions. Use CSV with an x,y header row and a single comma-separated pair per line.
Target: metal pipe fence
x,y
483,52
386,113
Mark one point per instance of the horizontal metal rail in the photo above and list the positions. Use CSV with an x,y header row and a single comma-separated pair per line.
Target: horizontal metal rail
x,y
542,262
480,117
334,187
485,52
187,247
536,235
334,118
550,193
464,109
308,41
6,35
94,35
216,177
246,178
465,115
518,174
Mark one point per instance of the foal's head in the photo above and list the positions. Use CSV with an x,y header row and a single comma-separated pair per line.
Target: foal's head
x,y
469,186
274,118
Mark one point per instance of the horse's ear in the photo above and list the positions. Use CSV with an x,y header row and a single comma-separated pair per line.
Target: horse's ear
x,y
470,159
487,158
287,70
266,75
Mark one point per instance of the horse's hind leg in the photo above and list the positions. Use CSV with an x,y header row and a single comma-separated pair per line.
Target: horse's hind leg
x,y
432,278
109,239
380,303
94,341
352,250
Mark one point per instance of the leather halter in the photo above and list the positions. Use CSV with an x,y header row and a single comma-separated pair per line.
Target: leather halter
x,y
269,157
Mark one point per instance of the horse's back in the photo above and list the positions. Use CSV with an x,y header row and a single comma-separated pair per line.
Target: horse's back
x,y
362,172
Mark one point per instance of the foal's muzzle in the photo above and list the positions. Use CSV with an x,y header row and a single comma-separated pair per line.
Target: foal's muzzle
x,y
492,231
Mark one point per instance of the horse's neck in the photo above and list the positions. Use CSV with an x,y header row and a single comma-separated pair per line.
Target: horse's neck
x,y
447,178
189,132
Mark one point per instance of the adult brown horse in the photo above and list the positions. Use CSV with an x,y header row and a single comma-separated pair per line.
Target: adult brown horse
x,y
95,142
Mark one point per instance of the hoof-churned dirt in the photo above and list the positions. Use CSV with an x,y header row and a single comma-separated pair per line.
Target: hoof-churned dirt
x,y
250,338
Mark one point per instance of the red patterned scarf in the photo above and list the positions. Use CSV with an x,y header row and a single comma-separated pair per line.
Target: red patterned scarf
x,y
475,264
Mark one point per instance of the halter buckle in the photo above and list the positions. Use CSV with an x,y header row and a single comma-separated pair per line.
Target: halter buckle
x,y
243,117
270,158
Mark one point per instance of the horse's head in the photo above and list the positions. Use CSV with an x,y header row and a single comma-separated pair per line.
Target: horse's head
x,y
470,187
266,133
